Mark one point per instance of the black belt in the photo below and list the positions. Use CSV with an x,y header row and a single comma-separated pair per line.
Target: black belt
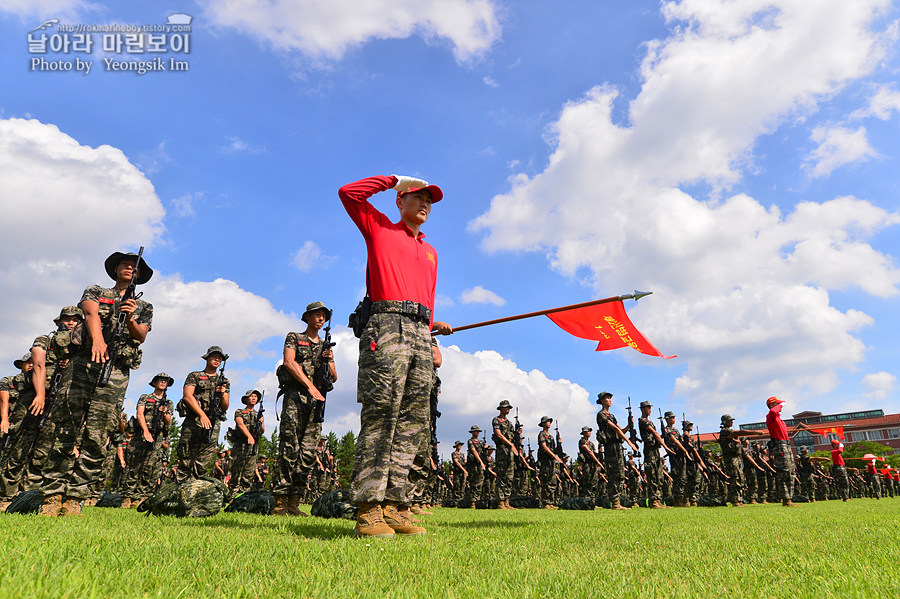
x,y
407,308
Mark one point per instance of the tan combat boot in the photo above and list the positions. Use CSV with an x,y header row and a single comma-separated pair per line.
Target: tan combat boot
x,y
126,503
656,504
787,503
550,506
420,510
617,505
370,522
52,505
293,508
70,507
281,502
4,503
398,522
406,512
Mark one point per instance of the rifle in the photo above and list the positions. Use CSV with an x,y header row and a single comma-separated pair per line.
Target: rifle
x,y
256,431
50,396
214,401
120,330
157,424
632,434
322,376
434,413
560,453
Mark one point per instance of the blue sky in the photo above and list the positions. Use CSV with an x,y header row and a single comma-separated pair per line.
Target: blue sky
x,y
738,159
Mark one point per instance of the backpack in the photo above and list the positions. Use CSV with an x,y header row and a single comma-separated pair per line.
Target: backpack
x,y
334,504
26,502
253,502
194,498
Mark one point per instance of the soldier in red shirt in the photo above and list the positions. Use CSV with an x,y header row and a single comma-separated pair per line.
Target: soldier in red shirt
x,y
780,448
395,359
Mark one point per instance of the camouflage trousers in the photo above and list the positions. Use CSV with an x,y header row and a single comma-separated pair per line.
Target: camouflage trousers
x,y
841,481
734,468
297,441
692,477
784,470
394,387
589,478
143,466
475,478
195,454
505,471
243,468
17,456
653,473
520,478
99,409
489,487
874,482
808,485
614,464
676,464
459,483
549,483
750,478
420,472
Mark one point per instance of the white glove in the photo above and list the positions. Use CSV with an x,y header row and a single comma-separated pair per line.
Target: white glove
x,y
405,183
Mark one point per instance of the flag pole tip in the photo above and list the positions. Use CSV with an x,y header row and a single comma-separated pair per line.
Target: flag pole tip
x,y
639,294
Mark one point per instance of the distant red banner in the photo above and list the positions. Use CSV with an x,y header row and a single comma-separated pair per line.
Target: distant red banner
x,y
834,430
607,323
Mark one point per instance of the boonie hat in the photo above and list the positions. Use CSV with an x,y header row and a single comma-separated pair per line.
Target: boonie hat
x,y
111,263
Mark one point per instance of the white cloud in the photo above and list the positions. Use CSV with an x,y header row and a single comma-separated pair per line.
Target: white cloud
x,y
879,384
490,82
327,30
480,295
184,205
236,145
309,256
741,289
882,104
44,9
837,146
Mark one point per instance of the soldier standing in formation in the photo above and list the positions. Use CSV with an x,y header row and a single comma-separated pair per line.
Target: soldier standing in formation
x,y
781,448
590,465
249,426
154,415
475,467
729,441
547,462
199,434
299,433
653,468
76,460
614,459
507,454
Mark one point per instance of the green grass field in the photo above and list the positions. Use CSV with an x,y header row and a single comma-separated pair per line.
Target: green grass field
x,y
826,549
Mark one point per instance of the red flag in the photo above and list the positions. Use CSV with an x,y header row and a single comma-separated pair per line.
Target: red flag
x,y
607,323
836,430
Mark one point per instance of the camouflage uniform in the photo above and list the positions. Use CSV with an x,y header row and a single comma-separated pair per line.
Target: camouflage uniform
x,y
243,465
474,470
195,454
459,474
749,474
298,435
589,476
806,474
652,461
613,458
91,411
143,459
20,434
393,386
731,457
547,467
784,469
504,461
489,487
676,463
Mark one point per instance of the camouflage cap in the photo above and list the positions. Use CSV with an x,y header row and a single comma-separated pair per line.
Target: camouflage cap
x,y
214,349
246,396
646,404
586,429
489,448
504,404
602,395
162,375
686,424
69,311
726,418
458,443
804,449
19,363
474,429
670,414
545,419
111,263
313,307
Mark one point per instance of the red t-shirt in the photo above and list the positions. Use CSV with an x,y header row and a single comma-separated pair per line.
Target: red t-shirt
x,y
836,458
870,467
401,266
777,429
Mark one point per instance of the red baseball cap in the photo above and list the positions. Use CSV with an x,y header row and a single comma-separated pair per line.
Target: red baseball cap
x,y
772,401
436,194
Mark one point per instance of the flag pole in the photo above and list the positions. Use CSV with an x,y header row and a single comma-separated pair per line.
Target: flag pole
x,y
616,298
